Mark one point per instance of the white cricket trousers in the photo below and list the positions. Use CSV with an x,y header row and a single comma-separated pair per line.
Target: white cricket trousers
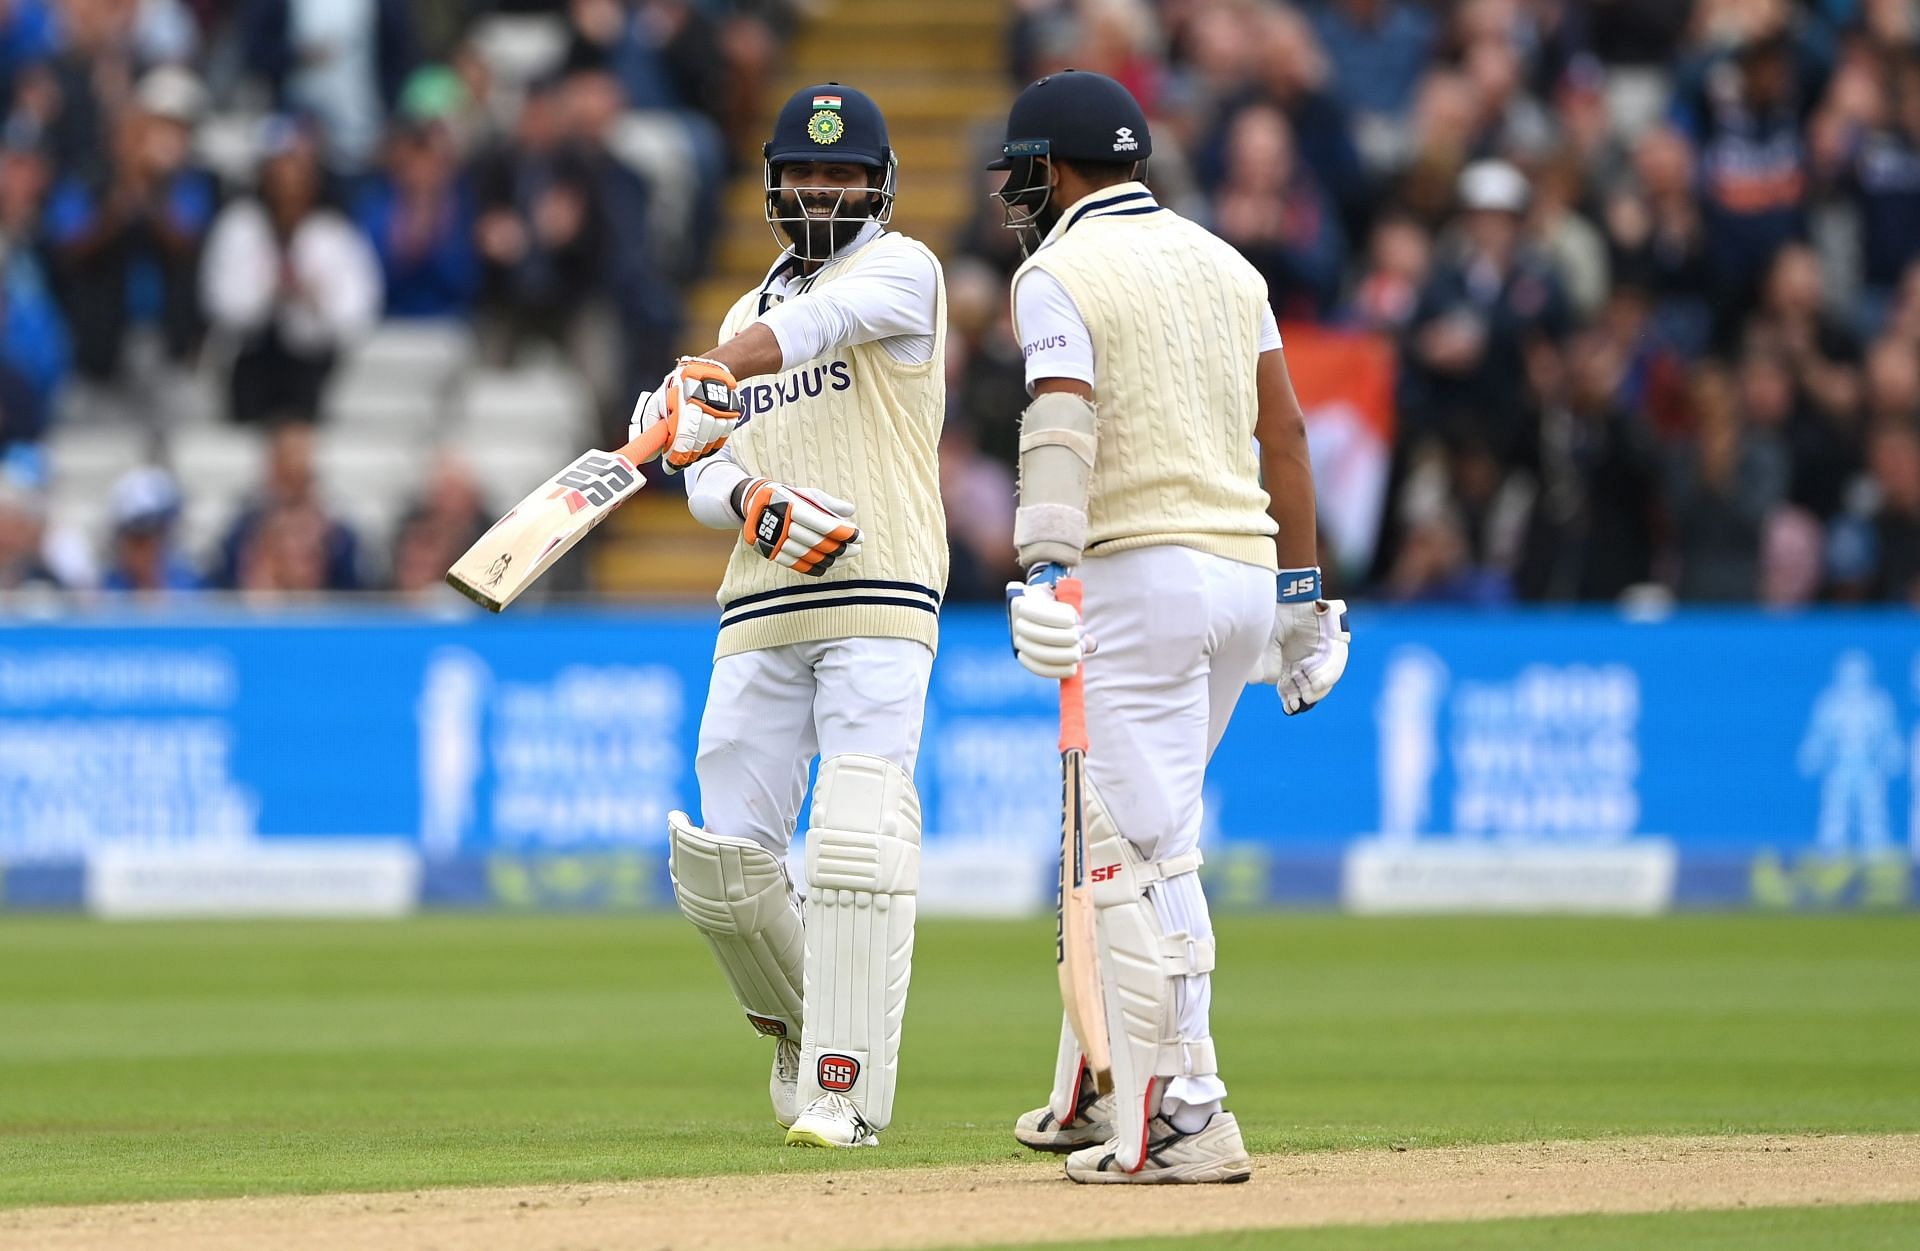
x,y
1178,633
769,712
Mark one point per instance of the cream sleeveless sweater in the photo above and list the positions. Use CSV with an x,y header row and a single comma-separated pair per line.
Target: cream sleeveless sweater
x,y
1174,314
861,425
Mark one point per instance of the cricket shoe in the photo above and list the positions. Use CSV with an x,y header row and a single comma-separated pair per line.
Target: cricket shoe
x,y
1212,1154
832,1121
1092,1123
784,1085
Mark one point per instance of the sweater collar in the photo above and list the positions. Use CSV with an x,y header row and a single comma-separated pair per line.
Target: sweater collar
x,y
1127,199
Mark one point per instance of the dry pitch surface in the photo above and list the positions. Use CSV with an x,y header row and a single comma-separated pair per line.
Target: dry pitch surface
x,y
985,1205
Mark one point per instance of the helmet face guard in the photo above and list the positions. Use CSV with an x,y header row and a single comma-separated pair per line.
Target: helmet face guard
x,y
1028,192
817,238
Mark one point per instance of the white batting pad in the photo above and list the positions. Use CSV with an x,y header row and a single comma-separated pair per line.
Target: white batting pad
x,y
736,893
863,869
1068,1072
1139,961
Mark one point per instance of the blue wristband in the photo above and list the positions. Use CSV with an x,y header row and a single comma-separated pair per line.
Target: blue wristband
x,y
1298,586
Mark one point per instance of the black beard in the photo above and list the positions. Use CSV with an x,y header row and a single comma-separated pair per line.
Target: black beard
x,y
804,232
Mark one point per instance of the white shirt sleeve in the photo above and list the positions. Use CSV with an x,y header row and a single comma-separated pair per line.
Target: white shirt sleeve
x,y
889,299
1269,330
1053,336
710,484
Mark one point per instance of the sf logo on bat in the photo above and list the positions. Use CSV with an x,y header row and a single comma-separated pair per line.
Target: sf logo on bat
x,y
599,478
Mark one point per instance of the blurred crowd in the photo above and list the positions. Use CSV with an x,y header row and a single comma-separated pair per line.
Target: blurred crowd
x,y
1651,269
238,191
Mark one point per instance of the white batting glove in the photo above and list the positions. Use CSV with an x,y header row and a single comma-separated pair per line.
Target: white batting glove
x,y
802,529
1308,650
700,397
1047,635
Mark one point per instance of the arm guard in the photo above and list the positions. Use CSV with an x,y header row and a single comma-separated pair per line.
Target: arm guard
x,y
1056,468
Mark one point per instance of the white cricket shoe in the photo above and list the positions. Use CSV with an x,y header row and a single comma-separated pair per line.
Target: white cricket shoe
x,y
1214,1154
784,1085
832,1121
1092,1124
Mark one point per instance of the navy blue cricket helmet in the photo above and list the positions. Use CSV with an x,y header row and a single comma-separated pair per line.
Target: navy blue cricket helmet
x,y
1074,115
837,124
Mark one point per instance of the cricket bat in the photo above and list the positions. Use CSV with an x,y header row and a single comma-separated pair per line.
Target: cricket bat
x,y
545,526
1074,949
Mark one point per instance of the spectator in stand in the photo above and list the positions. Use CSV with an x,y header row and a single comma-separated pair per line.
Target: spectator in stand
x,y
1894,457
1567,241
291,489
1892,383
977,491
126,248
1822,351
1399,257
986,373
1488,300
540,239
289,278
34,340
1293,73
1273,210
1657,239
1725,487
1879,165
418,216
286,554
23,531
444,523
142,559
1379,49
88,81
646,317
1592,530
343,64
1744,115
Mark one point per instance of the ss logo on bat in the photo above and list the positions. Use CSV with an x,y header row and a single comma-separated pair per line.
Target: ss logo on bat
x,y
599,478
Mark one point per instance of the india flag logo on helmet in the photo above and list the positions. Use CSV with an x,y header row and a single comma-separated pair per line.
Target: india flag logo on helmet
x,y
826,102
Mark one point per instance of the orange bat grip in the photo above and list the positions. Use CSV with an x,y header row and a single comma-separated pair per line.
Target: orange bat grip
x,y
1073,690
650,444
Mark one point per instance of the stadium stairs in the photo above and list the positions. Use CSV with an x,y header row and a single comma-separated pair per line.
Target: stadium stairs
x,y
934,68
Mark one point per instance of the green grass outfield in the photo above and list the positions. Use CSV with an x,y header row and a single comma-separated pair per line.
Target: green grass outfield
x,y
1875,1227
160,1060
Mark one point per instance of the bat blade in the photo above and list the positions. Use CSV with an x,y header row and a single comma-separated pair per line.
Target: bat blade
x,y
543,527
1076,951
1076,947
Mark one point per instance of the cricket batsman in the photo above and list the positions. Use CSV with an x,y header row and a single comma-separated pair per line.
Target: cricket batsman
x,y
1154,364
827,627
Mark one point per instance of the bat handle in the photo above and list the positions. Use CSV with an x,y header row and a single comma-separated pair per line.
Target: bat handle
x,y
649,445
1073,690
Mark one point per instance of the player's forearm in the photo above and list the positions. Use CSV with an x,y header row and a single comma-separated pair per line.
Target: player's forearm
x,y
751,353
1285,468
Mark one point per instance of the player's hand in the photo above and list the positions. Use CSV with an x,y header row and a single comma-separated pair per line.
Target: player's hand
x,y
702,401
1047,635
803,529
1308,650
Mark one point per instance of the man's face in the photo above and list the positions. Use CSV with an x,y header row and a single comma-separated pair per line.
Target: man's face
x,y
823,205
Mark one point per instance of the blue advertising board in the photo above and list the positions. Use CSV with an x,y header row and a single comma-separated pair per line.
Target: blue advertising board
x,y
531,759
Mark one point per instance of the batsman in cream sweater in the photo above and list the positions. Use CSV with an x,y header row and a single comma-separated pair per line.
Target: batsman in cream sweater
x,y
828,621
1154,364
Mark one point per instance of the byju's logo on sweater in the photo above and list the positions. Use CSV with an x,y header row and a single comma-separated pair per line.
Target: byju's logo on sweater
x,y
808,381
